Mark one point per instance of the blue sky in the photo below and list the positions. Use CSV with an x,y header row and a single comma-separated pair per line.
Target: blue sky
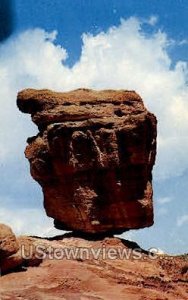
x,y
73,17
65,44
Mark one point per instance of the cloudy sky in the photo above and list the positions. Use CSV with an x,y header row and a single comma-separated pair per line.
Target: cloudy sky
x,y
139,45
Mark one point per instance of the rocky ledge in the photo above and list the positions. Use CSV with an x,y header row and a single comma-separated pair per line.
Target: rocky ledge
x,y
71,267
94,153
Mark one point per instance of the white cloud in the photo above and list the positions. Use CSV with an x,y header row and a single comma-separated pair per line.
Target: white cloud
x,y
160,251
183,42
28,220
182,220
164,200
123,57
153,20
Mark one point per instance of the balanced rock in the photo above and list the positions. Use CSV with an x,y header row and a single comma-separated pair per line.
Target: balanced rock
x,y
93,157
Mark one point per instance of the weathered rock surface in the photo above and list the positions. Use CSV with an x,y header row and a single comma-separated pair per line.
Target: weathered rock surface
x,y
8,242
9,248
94,154
11,254
132,275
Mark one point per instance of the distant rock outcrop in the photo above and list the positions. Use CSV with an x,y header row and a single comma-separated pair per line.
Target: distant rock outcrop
x,y
93,157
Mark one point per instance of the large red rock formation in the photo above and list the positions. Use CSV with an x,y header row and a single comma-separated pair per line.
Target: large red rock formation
x,y
93,157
